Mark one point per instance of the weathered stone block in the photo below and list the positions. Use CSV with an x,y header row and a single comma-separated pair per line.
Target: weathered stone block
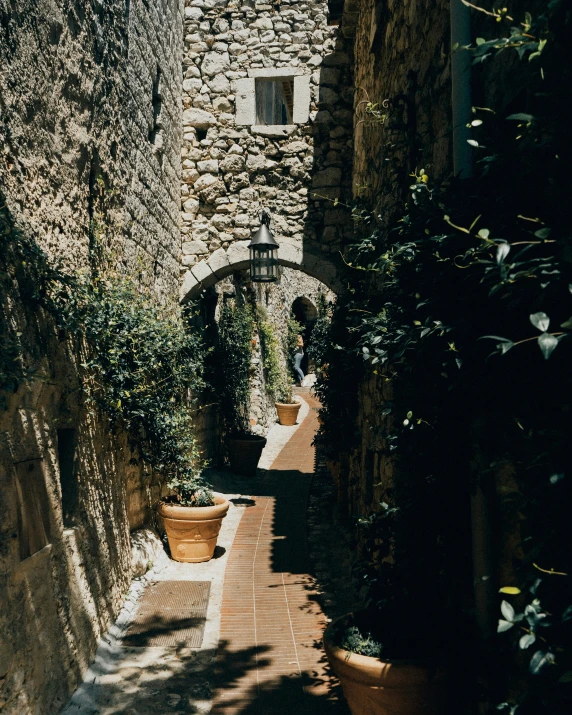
x,y
232,164
219,263
199,118
215,63
331,176
194,247
238,255
208,166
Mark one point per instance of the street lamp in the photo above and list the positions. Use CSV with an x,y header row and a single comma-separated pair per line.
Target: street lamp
x,y
263,253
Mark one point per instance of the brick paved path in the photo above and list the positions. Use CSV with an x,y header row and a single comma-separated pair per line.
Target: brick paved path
x,y
270,658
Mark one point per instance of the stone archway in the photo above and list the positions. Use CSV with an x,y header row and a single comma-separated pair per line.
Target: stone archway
x,y
223,262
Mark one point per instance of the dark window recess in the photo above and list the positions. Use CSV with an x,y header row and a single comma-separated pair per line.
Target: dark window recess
x,y
201,134
68,475
33,507
156,133
335,11
274,101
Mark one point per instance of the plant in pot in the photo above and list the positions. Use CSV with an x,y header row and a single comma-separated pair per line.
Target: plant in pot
x,y
278,383
235,334
390,655
287,406
192,516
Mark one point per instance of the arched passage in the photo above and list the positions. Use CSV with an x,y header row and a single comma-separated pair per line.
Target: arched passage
x,y
223,262
305,313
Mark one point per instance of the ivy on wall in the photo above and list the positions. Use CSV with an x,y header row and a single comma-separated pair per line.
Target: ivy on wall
x,y
465,306
138,361
235,334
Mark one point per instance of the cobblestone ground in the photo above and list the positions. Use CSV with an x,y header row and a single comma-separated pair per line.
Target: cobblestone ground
x,y
283,571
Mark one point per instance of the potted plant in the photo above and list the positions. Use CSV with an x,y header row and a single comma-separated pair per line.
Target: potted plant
x,y
287,406
235,344
192,516
278,383
389,656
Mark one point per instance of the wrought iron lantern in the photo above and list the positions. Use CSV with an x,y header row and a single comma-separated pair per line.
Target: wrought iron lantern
x,y
263,253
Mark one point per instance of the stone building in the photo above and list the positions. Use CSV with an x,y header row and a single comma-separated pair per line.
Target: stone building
x,y
267,123
157,132
154,133
90,140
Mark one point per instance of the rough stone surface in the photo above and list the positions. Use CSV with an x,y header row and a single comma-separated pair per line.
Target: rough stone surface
x,y
90,136
229,49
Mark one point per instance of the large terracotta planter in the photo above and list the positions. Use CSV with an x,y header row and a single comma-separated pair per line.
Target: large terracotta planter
x,y
374,687
244,453
193,530
287,412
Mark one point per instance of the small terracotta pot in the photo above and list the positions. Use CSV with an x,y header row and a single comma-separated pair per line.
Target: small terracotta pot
x,y
244,453
287,413
193,530
374,687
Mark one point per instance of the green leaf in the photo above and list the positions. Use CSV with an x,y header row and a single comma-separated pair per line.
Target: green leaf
x,y
508,611
543,233
540,660
526,640
510,590
567,324
480,41
502,252
520,117
483,233
473,142
547,343
504,626
540,320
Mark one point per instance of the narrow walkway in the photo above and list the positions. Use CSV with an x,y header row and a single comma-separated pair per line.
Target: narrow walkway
x,y
272,624
261,653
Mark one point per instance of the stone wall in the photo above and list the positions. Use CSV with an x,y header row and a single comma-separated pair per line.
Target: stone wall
x,y
233,163
401,59
90,130
276,299
90,107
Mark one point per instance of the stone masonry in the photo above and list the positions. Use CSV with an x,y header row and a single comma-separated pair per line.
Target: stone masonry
x,y
234,165
90,139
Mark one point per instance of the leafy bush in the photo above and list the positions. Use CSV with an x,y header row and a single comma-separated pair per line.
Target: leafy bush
x,y
278,384
235,332
464,305
319,340
140,362
355,642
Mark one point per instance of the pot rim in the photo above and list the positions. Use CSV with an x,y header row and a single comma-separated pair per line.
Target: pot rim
x,y
246,438
200,513
367,660
298,404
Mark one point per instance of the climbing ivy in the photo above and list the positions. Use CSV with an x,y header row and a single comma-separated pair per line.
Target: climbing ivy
x,y
235,335
139,362
464,307
278,384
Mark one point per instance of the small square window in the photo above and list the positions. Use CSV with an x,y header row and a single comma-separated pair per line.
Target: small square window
x,y
274,101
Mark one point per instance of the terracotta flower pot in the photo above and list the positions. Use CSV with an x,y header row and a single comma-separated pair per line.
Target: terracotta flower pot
x,y
287,413
374,687
244,453
193,530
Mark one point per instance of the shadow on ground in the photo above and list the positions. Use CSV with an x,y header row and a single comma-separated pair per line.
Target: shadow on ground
x,y
184,681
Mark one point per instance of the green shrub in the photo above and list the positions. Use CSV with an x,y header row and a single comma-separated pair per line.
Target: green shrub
x,y
235,333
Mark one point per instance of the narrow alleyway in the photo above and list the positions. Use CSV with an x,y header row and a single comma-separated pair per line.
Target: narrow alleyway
x,y
261,651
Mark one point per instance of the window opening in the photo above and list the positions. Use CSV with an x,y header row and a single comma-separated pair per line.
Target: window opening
x,y
274,101
33,507
67,443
